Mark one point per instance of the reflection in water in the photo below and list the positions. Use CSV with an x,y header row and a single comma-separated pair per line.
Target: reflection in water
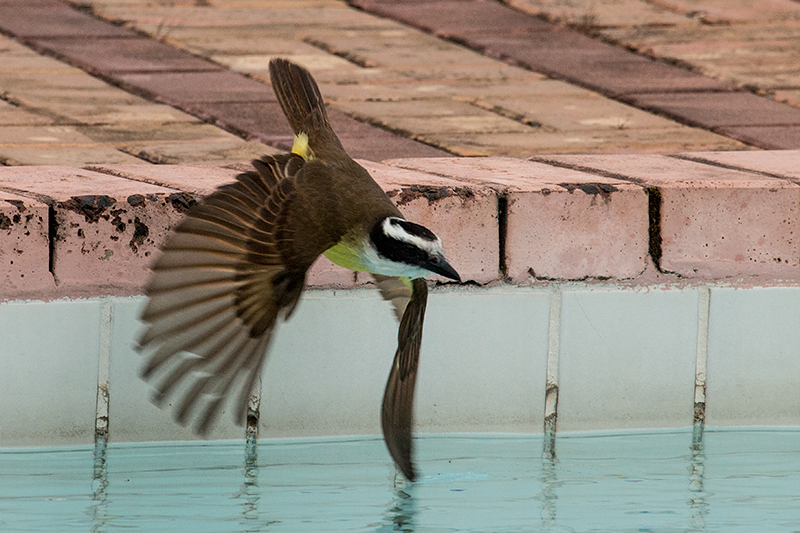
x,y
549,481
98,511
697,491
249,489
402,509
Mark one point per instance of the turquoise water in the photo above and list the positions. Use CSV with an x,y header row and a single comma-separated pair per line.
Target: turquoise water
x,y
728,481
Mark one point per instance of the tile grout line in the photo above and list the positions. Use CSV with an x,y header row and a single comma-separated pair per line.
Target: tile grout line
x,y
103,362
701,364
551,388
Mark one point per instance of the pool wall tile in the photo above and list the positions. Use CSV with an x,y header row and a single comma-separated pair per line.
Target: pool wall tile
x,y
132,416
470,379
49,377
484,362
627,358
328,365
753,363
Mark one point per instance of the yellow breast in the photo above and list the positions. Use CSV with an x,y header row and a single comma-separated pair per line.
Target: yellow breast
x,y
346,254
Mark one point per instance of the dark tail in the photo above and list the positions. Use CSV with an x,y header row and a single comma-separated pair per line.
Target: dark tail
x,y
302,104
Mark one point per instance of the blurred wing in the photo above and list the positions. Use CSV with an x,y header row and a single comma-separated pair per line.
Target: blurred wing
x,y
398,400
395,290
217,290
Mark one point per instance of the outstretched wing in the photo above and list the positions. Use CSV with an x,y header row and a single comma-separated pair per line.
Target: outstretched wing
x,y
217,289
398,400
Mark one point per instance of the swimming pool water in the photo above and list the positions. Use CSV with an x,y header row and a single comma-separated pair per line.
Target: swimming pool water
x,y
660,481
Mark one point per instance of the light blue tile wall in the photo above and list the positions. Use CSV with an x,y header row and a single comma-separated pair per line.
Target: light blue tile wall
x,y
627,358
48,376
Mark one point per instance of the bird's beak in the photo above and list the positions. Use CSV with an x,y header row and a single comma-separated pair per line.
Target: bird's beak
x,y
443,268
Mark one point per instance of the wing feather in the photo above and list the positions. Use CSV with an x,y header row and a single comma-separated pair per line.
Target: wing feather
x,y
216,291
398,400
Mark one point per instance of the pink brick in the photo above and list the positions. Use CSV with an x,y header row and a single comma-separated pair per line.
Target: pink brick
x,y
561,224
24,247
784,163
106,228
463,215
715,222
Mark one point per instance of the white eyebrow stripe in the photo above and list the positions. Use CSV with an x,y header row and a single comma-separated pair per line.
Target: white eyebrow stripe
x,y
397,233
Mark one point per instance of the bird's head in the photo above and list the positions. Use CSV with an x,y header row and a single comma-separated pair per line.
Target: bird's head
x,y
407,249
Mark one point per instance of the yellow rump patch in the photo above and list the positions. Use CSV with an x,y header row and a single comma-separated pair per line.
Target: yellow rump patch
x,y
300,146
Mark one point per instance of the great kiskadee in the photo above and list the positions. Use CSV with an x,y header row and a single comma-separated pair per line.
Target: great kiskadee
x,y
238,263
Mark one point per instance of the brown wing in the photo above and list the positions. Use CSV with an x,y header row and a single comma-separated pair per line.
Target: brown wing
x,y
217,289
398,400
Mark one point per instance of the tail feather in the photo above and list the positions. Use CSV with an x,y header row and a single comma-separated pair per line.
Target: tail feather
x,y
302,104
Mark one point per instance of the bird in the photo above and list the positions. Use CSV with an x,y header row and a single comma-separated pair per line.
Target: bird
x,y
235,266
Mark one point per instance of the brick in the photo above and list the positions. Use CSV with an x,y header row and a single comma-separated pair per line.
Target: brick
x,y
63,155
714,110
594,64
539,141
201,181
588,15
561,224
580,112
715,222
452,18
725,11
462,89
463,215
195,179
263,120
119,113
767,137
190,87
779,162
147,132
51,20
108,55
432,117
16,116
315,60
383,145
106,228
24,247
216,153
42,135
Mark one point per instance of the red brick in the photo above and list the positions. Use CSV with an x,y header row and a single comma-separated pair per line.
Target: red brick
x,y
185,87
714,110
454,17
106,228
561,224
463,215
54,19
715,222
110,55
767,137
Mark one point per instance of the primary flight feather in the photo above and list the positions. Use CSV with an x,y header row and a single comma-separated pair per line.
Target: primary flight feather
x,y
237,264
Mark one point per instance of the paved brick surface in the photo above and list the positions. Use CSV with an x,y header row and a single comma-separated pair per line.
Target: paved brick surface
x,y
382,68
749,44
569,54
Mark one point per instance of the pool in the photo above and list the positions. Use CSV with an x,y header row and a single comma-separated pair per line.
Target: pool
x,y
723,480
